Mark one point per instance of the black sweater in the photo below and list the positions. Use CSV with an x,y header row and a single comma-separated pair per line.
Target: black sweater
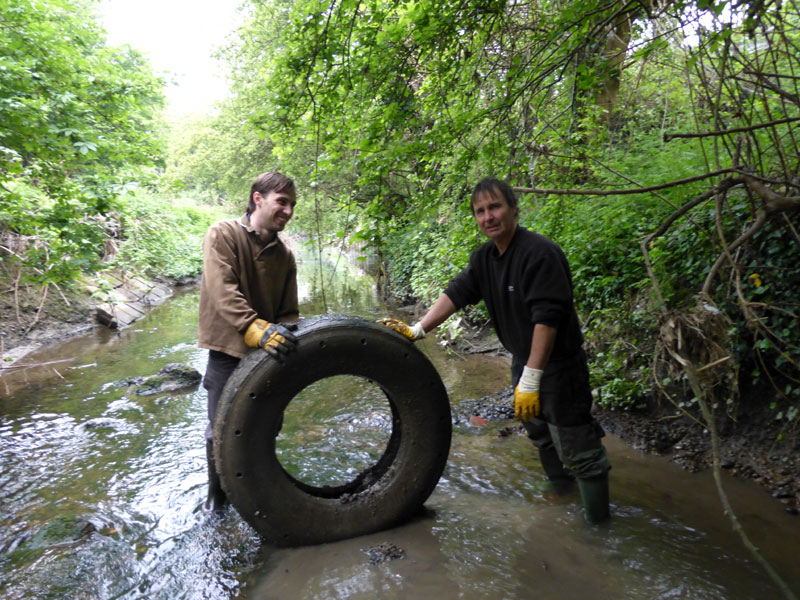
x,y
529,283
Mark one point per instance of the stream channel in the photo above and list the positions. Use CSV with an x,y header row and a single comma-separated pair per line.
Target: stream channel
x,y
101,490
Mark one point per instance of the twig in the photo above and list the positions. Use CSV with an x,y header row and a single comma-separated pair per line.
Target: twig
x,y
725,184
712,428
16,294
669,417
711,365
708,417
682,412
761,217
791,227
63,297
39,310
33,365
671,136
642,190
454,351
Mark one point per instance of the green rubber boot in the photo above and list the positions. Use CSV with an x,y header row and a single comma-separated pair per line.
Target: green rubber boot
x,y
560,477
217,499
594,495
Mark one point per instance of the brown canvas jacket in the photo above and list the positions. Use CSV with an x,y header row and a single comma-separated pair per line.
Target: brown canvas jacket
x,y
243,278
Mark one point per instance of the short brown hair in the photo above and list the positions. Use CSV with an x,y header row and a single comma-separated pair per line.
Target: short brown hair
x,y
266,183
495,187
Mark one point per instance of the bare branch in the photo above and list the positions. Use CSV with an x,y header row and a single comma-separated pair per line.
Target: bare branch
x,y
723,186
773,202
761,217
642,190
34,365
671,136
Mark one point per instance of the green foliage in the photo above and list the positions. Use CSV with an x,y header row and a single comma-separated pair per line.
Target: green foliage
x,y
620,344
616,388
769,279
424,258
76,126
387,113
598,237
213,160
68,103
163,237
55,239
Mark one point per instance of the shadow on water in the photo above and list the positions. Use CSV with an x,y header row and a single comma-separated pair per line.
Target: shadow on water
x,y
101,491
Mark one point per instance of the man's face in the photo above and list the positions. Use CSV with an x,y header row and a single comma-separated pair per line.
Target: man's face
x,y
496,219
273,211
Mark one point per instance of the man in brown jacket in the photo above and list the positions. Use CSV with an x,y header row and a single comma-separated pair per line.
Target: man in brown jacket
x,y
249,285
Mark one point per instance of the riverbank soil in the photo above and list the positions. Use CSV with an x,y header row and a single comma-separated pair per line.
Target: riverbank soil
x,y
34,316
754,446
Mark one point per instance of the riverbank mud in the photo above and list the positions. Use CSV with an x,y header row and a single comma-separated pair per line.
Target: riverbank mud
x,y
33,317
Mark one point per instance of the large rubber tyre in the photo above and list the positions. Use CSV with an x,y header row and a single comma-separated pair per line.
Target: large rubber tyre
x,y
287,512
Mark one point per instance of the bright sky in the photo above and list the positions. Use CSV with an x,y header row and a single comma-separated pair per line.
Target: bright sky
x,y
178,36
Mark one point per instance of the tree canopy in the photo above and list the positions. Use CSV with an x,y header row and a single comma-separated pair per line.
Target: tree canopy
x,y
656,142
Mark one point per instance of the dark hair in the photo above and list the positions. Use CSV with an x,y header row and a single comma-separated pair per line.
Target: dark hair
x,y
495,187
266,183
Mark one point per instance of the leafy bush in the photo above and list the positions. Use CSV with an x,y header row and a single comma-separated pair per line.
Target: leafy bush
x,y
78,121
163,237
620,348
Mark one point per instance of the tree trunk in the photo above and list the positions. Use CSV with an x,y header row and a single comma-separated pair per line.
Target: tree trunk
x,y
618,37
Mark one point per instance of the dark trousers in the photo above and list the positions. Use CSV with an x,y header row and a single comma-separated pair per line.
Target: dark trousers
x,y
219,369
565,431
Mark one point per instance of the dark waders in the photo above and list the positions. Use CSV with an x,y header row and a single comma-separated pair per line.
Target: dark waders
x,y
567,436
219,369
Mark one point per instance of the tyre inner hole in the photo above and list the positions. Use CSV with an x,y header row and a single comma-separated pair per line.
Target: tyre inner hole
x,y
333,430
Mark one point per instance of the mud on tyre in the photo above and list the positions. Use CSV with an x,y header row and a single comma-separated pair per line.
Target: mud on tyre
x,y
288,512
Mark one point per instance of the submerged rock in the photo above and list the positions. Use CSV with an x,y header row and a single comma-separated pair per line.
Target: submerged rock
x,y
383,552
59,531
173,376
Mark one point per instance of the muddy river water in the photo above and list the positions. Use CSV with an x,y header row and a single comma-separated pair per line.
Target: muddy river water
x,y
101,492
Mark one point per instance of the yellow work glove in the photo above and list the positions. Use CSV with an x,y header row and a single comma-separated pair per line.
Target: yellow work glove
x,y
276,339
414,333
526,394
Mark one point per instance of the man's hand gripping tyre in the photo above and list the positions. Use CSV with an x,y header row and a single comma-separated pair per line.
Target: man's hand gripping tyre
x,y
413,333
276,339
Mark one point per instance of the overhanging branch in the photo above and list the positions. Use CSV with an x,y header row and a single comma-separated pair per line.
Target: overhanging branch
x,y
671,136
641,190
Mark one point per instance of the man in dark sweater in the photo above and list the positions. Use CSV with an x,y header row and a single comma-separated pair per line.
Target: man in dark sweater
x,y
525,281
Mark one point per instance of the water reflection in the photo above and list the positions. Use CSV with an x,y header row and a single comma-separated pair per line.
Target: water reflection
x,y
333,430
333,285
101,491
